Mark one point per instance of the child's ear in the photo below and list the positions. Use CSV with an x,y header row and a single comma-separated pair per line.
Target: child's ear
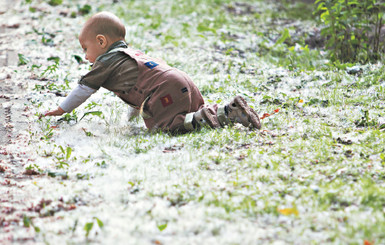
x,y
102,40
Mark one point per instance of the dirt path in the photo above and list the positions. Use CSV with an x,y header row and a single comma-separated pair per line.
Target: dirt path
x,y
13,139
24,199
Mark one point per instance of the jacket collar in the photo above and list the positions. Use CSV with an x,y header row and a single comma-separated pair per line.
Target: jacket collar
x,y
118,44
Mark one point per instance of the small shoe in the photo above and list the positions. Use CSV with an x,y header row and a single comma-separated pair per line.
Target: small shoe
x,y
204,118
238,111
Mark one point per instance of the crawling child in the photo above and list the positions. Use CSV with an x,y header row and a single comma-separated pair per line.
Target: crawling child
x,y
166,97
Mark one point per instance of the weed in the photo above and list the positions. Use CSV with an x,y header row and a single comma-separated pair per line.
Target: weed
x,y
51,69
162,226
82,176
34,168
27,222
86,9
70,118
95,113
78,59
91,105
55,2
53,87
101,164
22,60
88,226
348,25
46,37
365,120
61,157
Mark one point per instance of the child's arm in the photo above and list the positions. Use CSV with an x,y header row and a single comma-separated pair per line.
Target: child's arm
x,y
80,94
57,112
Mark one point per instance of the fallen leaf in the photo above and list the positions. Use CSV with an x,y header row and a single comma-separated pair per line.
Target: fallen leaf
x,y
366,242
268,114
265,115
289,211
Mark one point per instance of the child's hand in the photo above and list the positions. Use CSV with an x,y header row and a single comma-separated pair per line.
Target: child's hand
x,y
58,112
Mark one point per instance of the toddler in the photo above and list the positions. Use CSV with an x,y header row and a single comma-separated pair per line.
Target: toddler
x,y
166,97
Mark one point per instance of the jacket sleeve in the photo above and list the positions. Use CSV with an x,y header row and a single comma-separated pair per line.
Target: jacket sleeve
x,y
80,94
98,75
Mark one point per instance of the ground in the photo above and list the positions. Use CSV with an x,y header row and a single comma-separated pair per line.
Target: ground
x,y
314,173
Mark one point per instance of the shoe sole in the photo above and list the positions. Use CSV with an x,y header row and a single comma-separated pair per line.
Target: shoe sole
x,y
253,117
210,119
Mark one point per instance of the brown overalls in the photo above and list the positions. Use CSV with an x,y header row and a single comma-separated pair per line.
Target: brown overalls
x,y
165,94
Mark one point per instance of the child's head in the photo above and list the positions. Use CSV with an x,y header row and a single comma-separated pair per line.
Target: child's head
x,y
99,32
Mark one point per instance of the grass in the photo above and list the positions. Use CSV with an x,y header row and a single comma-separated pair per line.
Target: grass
x,y
299,180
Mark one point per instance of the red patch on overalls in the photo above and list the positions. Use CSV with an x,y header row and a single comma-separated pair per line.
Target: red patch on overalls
x,y
166,100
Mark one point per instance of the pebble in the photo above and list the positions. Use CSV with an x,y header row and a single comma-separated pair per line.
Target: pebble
x,y
3,76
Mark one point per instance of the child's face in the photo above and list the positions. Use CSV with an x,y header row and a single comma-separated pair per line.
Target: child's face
x,y
92,47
